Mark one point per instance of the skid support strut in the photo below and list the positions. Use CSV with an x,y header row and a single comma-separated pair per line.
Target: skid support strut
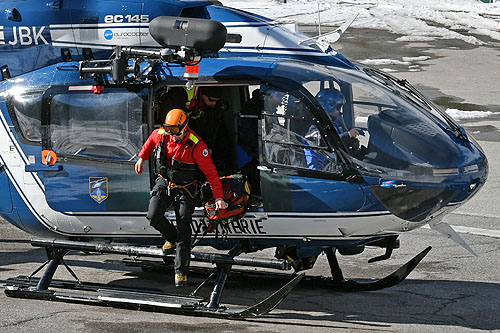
x,y
216,294
55,257
337,275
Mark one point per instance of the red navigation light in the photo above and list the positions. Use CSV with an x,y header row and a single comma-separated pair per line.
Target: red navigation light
x,y
94,89
97,89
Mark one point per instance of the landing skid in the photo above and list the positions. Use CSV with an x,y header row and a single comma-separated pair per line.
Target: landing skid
x,y
155,300
135,299
140,299
336,282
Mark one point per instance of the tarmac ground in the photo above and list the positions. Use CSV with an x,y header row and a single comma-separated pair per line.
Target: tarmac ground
x,y
449,291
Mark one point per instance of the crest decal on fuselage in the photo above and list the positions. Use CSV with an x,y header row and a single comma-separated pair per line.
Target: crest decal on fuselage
x,y
98,188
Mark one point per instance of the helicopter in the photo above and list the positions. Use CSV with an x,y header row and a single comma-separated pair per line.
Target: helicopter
x,y
79,95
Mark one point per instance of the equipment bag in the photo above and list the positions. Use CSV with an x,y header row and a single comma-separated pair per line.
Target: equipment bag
x,y
236,193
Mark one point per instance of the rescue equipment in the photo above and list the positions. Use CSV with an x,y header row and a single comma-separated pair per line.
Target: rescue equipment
x,y
181,173
185,187
236,193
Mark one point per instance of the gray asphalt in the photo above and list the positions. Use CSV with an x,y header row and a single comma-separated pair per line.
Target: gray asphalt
x,y
449,291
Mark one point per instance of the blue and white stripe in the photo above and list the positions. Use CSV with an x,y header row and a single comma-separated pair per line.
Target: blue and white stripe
x,y
2,36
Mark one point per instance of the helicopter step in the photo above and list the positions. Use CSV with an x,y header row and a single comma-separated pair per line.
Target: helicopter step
x,y
336,282
149,300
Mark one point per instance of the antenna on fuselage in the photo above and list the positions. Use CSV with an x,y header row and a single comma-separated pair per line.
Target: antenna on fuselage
x,y
324,40
319,20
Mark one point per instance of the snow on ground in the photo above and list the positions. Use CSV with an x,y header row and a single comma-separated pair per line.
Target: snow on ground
x,y
462,115
471,21
416,20
378,62
411,62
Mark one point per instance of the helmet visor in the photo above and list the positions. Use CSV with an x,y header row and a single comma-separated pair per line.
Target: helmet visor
x,y
336,103
174,129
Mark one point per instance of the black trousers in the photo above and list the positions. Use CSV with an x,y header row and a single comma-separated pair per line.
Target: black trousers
x,y
161,200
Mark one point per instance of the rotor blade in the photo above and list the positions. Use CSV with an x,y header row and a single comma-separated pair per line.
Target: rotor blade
x,y
447,230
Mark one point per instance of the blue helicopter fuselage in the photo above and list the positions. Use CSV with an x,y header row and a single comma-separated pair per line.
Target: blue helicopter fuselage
x,y
412,165
30,40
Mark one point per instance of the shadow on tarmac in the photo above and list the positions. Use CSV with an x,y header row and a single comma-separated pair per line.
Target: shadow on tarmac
x,y
438,303
419,302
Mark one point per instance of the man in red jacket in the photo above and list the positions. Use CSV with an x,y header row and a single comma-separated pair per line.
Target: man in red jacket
x,y
179,152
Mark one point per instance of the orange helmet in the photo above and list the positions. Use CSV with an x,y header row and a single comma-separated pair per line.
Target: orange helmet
x,y
175,121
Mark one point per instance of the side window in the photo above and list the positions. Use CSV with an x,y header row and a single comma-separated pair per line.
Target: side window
x,y
291,137
27,109
107,125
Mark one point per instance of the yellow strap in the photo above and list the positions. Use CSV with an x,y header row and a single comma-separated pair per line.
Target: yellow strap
x,y
247,187
193,138
191,94
162,131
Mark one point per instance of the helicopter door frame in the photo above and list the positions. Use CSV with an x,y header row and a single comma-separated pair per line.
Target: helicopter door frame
x,y
324,129
96,132
304,186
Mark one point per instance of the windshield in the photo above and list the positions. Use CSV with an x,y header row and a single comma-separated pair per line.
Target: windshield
x,y
387,132
407,91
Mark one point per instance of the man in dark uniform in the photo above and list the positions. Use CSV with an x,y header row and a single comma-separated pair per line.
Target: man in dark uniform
x,y
181,151
173,98
248,140
206,118
332,102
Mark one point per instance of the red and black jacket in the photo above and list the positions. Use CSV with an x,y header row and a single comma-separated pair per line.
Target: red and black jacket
x,y
183,157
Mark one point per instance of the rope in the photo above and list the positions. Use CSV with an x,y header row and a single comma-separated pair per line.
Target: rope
x,y
185,187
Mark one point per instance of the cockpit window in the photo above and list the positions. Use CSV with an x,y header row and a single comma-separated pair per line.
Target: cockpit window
x,y
107,125
27,109
389,131
291,136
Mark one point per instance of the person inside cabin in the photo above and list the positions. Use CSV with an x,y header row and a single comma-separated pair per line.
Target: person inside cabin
x,y
332,102
318,159
173,98
248,141
206,118
179,152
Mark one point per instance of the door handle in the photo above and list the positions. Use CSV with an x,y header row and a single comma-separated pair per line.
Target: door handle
x,y
264,168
